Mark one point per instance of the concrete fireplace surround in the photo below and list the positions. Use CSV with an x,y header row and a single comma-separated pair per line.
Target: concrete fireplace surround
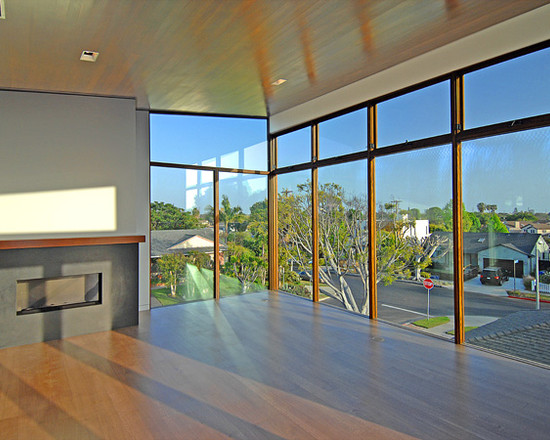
x,y
116,258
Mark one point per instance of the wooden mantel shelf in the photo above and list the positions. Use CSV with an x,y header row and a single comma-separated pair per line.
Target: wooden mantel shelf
x,y
66,242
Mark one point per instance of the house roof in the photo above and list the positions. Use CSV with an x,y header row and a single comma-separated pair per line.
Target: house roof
x,y
475,242
523,224
163,242
537,226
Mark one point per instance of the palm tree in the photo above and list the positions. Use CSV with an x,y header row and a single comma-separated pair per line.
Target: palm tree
x,y
229,214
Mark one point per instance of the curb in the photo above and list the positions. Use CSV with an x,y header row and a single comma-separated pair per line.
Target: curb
x,y
529,299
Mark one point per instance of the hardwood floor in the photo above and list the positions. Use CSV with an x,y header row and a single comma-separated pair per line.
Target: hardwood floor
x,y
266,366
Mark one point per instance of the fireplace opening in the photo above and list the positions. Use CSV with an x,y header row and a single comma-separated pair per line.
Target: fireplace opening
x,y
46,294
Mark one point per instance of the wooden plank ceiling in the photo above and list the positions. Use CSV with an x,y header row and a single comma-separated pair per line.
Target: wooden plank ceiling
x,y
223,56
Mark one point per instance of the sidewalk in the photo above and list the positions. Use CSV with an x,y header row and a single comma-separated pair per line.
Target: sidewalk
x,y
469,321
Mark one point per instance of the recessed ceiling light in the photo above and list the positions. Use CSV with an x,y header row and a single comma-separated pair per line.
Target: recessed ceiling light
x,y
89,55
278,82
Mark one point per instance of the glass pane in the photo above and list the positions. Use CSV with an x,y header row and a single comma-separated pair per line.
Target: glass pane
x,y
243,233
294,147
295,233
182,236
343,244
416,115
344,134
209,141
505,243
414,239
515,89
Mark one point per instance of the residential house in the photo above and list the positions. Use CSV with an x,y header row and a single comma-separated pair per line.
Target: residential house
x,y
183,241
482,249
527,227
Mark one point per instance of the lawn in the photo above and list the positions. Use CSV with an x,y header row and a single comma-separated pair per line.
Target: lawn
x,y
466,329
189,291
521,294
432,322
164,297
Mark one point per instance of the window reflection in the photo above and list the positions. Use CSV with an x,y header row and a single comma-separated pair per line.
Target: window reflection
x,y
182,236
514,89
343,240
414,239
344,134
243,233
294,147
506,250
295,240
213,141
416,115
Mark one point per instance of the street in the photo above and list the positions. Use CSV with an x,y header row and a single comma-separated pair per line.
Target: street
x,y
405,301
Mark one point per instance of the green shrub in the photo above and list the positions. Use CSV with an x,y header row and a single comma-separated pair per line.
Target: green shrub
x,y
528,282
545,277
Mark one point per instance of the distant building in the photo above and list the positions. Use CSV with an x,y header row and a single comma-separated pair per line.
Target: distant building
x,y
527,227
419,229
183,241
484,249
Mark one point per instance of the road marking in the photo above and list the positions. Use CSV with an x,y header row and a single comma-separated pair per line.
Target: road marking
x,y
404,310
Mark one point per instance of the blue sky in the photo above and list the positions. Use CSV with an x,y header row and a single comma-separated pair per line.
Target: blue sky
x,y
512,171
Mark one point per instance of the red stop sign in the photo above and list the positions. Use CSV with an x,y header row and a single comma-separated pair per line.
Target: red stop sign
x,y
428,284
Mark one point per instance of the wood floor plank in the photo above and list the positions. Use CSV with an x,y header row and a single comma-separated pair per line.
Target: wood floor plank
x,y
265,366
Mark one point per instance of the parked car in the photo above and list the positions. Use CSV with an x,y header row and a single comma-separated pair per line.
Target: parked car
x,y
470,272
493,275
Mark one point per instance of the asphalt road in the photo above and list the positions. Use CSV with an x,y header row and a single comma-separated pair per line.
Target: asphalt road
x,y
403,301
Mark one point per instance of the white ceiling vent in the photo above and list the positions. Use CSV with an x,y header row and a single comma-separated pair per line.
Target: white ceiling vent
x,y
88,55
2,9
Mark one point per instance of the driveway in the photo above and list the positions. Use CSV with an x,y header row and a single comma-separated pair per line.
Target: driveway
x,y
474,285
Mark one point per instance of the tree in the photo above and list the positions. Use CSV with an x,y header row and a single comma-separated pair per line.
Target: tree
x,y
172,267
200,259
435,217
257,226
495,225
168,216
481,207
471,221
414,213
492,208
228,214
521,215
244,265
295,227
343,241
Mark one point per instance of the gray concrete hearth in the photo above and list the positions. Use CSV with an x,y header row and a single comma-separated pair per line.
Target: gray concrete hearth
x,y
119,306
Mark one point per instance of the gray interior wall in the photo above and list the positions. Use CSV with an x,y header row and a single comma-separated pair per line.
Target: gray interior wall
x,y
55,142
52,142
142,205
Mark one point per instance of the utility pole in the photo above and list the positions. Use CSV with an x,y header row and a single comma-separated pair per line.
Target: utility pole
x,y
537,278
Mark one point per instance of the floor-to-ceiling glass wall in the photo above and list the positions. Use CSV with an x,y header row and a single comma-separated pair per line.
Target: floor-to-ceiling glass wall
x,y
343,238
186,153
295,233
474,188
343,209
182,235
243,233
414,240
505,188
